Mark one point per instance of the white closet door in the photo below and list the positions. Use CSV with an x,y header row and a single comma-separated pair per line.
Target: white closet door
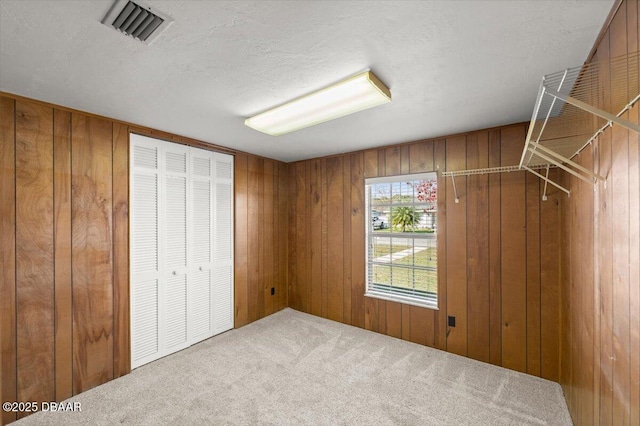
x,y
175,168
222,289
181,233
145,242
200,283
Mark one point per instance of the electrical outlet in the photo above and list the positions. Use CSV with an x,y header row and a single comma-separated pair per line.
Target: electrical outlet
x,y
273,291
452,321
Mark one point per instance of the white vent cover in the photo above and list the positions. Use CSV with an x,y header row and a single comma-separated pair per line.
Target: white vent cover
x,y
137,20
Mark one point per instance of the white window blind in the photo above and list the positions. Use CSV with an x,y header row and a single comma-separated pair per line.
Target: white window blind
x,y
401,235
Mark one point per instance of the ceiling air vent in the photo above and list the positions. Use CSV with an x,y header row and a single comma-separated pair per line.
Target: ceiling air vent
x,y
137,20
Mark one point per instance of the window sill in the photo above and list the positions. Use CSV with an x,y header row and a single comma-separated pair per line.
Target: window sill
x,y
403,300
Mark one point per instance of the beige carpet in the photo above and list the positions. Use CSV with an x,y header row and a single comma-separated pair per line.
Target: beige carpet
x,y
294,368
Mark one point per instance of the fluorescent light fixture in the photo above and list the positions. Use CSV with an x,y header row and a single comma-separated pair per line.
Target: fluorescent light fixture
x,y
354,94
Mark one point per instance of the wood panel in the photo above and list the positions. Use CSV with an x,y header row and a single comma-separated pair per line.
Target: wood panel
x,y
292,269
513,262
324,263
421,329
335,220
421,157
370,163
302,280
255,262
633,43
7,256
62,252
478,249
620,228
121,320
471,262
583,274
390,162
347,185
92,239
550,282
257,177
382,167
604,263
456,254
600,307
565,278
34,253
241,255
382,316
277,240
533,294
405,311
405,161
572,301
316,238
357,240
495,252
393,319
283,211
304,230
371,311
268,237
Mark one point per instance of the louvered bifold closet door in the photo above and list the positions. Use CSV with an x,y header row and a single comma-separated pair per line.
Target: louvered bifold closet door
x,y
223,244
145,245
175,168
181,230
201,254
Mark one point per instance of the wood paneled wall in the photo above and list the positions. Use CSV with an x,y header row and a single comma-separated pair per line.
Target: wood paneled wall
x,y
498,250
65,249
600,356
64,263
261,244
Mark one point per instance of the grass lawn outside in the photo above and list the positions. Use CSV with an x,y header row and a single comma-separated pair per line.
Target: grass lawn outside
x,y
399,276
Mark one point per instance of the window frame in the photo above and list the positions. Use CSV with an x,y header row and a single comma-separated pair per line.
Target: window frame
x,y
408,299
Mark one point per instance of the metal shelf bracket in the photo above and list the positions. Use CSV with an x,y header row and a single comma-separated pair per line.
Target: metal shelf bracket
x,y
455,191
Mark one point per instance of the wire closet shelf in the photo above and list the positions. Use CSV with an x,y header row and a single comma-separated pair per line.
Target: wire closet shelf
x,y
572,109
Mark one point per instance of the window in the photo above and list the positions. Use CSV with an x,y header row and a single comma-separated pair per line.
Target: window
x,y
402,234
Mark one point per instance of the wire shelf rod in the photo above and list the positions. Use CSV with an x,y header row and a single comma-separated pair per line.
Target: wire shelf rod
x,y
489,170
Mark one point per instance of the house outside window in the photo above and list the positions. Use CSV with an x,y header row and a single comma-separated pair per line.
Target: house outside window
x,y
402,235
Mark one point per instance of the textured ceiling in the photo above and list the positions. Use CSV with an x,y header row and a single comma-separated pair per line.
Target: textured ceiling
x,y
452,66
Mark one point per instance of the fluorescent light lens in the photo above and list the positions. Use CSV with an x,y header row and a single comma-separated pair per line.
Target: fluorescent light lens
x,y
352,95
